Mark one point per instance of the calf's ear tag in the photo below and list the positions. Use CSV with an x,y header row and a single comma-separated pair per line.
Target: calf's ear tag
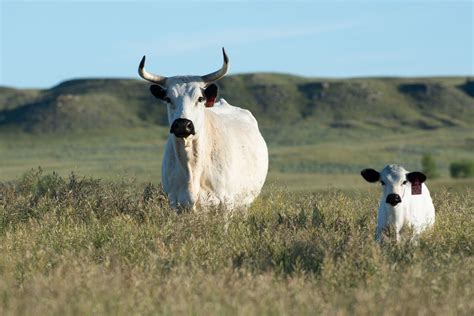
x,y
416,188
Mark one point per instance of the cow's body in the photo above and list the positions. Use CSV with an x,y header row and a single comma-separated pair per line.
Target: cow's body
x,y
415,211
226,164
215,154
412,207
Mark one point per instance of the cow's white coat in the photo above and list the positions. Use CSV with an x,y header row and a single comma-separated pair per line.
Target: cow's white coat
x,y
415,211
224,163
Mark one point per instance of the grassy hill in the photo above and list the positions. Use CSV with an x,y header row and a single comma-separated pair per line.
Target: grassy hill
x,y
320,132
302,104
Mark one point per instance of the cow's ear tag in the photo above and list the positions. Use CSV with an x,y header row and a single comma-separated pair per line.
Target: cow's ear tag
x,y
211,94
416,178
416,188
210,102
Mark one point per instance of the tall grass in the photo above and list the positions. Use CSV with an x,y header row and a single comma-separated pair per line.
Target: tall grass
x,y
82,246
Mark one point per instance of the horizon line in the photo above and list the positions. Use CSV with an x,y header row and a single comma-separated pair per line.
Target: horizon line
x,y
381,76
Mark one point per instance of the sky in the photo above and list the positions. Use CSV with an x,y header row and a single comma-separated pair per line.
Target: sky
x,y
43,43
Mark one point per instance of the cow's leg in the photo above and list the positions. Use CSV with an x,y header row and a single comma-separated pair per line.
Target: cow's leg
x,y
398,225
378,234
173,201
397,229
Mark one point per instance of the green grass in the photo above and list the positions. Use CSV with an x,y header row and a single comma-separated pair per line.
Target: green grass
x,y
84,246
331,158
109,244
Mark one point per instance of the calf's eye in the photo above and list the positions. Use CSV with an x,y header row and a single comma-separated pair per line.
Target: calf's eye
x,y
200,99
405,182
381,182
167,100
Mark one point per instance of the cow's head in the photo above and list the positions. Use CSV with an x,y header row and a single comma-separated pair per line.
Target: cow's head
x,y
186,97
396,182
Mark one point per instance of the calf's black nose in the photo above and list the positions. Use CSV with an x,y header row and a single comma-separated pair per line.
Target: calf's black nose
x,y
393,199
182,128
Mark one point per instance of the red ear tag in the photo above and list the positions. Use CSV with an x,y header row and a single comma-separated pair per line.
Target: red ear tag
x,y
210,102
416,188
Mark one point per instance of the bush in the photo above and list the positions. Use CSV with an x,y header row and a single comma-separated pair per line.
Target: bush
x,y
462,169
429,167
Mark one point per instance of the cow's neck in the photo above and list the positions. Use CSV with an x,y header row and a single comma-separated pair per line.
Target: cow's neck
x,y
189,154
187,151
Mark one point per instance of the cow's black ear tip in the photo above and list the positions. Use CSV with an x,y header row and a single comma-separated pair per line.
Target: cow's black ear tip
x,y
211,91
152,88
370,175
365,172
416,176
157,91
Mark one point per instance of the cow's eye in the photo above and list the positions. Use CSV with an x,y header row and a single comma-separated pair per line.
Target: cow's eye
x,y
382,183
167,100
200,99
404,182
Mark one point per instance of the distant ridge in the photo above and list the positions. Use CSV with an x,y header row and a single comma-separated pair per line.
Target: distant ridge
x,y
276,100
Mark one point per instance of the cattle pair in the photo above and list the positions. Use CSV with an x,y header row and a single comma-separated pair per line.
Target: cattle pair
x,y
215,155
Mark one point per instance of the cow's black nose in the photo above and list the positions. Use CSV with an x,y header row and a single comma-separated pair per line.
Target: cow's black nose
x,y
182,128
393,199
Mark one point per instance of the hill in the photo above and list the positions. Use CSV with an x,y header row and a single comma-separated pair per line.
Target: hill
x,y
301,104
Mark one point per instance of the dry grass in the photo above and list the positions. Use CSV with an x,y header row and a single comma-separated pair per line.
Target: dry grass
x,y
82,246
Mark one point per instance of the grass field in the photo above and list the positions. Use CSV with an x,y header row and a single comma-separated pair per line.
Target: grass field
x,y
329,159
103,241
85,228
84,246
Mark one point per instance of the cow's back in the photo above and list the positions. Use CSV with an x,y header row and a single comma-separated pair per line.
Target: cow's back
x,y
233,114
239,155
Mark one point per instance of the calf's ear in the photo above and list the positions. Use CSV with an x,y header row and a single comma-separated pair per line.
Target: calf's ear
x,y
370,175
416,176
211,94
158,92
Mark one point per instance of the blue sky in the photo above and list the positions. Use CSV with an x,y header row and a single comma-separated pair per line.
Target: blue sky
x,y
46,42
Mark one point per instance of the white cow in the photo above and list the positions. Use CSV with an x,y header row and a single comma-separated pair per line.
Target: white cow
x,y
405,201
215,154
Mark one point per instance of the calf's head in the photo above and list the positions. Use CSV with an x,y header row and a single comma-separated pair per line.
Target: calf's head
x,y
186,96
397,183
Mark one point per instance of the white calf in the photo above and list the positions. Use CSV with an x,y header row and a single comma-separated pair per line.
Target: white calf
x,y
405,201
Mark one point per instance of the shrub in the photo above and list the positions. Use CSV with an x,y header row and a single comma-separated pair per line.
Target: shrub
x,y
429,167
462,169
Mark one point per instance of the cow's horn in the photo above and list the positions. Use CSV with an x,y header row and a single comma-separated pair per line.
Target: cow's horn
x,y
214,76
148,76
